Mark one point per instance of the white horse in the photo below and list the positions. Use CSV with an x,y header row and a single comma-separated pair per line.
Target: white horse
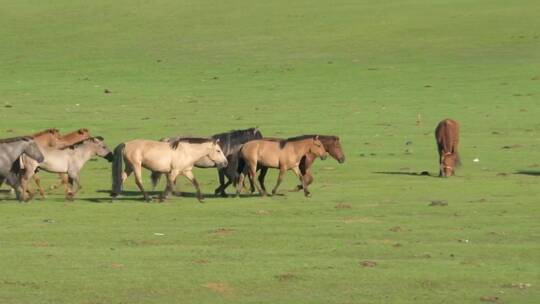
x,y
69,160
173,158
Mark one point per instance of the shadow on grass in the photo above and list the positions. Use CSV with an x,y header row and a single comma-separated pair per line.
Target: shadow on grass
x,y
134,195
528,172
423,173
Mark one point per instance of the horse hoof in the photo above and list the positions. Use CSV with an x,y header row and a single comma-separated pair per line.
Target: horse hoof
x,y
308,195
201,200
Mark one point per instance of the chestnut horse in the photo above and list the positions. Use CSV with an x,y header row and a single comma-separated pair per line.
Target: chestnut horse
x,y
331,144
284,154
447,137
49,140
174,158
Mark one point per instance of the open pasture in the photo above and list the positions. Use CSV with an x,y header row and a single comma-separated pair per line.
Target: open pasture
x,y
380,74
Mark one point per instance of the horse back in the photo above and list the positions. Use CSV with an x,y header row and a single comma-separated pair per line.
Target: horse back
x,y
447,135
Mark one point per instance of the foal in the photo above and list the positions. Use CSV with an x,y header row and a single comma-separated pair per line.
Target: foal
x,y
447,137
284,154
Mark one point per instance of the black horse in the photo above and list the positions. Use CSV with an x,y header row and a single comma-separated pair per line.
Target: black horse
x,y
230,143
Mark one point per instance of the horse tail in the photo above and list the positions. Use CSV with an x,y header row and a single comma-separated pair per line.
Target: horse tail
x,y
241,164
117,169
155,176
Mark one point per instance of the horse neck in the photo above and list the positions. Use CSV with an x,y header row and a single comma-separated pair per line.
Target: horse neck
x,y
45,140
73,137
301,148
13,150
195,152
84,152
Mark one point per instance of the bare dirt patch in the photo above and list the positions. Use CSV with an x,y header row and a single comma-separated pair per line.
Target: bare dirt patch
x,y
286,276
395,229
438,203
201,261
493,299
368,263
222,231
263,212
342,206
117,266
363,220
219,288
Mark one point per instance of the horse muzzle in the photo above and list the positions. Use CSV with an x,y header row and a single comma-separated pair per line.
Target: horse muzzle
x,y
324,156
341,160
223,164
109,157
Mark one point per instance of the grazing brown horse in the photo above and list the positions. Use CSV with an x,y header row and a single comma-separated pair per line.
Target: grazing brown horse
x,y
284,154
447,136
52,139
331,144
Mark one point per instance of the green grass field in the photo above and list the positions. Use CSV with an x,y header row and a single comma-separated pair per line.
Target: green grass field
x,y
363,70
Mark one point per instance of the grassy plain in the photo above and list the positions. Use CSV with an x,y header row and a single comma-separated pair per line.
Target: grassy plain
x,y
379,74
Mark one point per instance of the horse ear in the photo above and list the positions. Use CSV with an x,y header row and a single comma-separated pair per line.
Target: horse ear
x,y
316,137
216,141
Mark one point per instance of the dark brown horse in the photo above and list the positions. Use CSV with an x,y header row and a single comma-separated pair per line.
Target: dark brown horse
x,y
331,144
447,136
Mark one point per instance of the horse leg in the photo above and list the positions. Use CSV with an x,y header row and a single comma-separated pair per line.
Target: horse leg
x,y
65,182
252,174
138,180
37,180
69,188
240,182
261,178
171,179
221,176
296,171
21,187
189,175
282,171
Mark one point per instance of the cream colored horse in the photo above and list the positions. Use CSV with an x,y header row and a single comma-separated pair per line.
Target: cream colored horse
x,y
173,158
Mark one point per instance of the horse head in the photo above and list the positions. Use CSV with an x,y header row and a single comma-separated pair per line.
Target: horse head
x,y
333,146
448,164
317,148
101,148
216,154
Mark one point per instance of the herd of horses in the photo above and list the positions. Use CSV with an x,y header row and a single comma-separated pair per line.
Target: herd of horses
x,y
236,154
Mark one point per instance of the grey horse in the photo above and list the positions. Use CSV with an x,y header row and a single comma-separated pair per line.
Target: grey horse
x,y
11,149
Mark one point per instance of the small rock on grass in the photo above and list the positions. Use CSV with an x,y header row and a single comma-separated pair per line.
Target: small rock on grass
x,y
438,203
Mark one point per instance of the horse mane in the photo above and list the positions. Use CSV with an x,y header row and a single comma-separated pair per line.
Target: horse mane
x,y
234,138
14,139
52,130
283,142
79,143
191,140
